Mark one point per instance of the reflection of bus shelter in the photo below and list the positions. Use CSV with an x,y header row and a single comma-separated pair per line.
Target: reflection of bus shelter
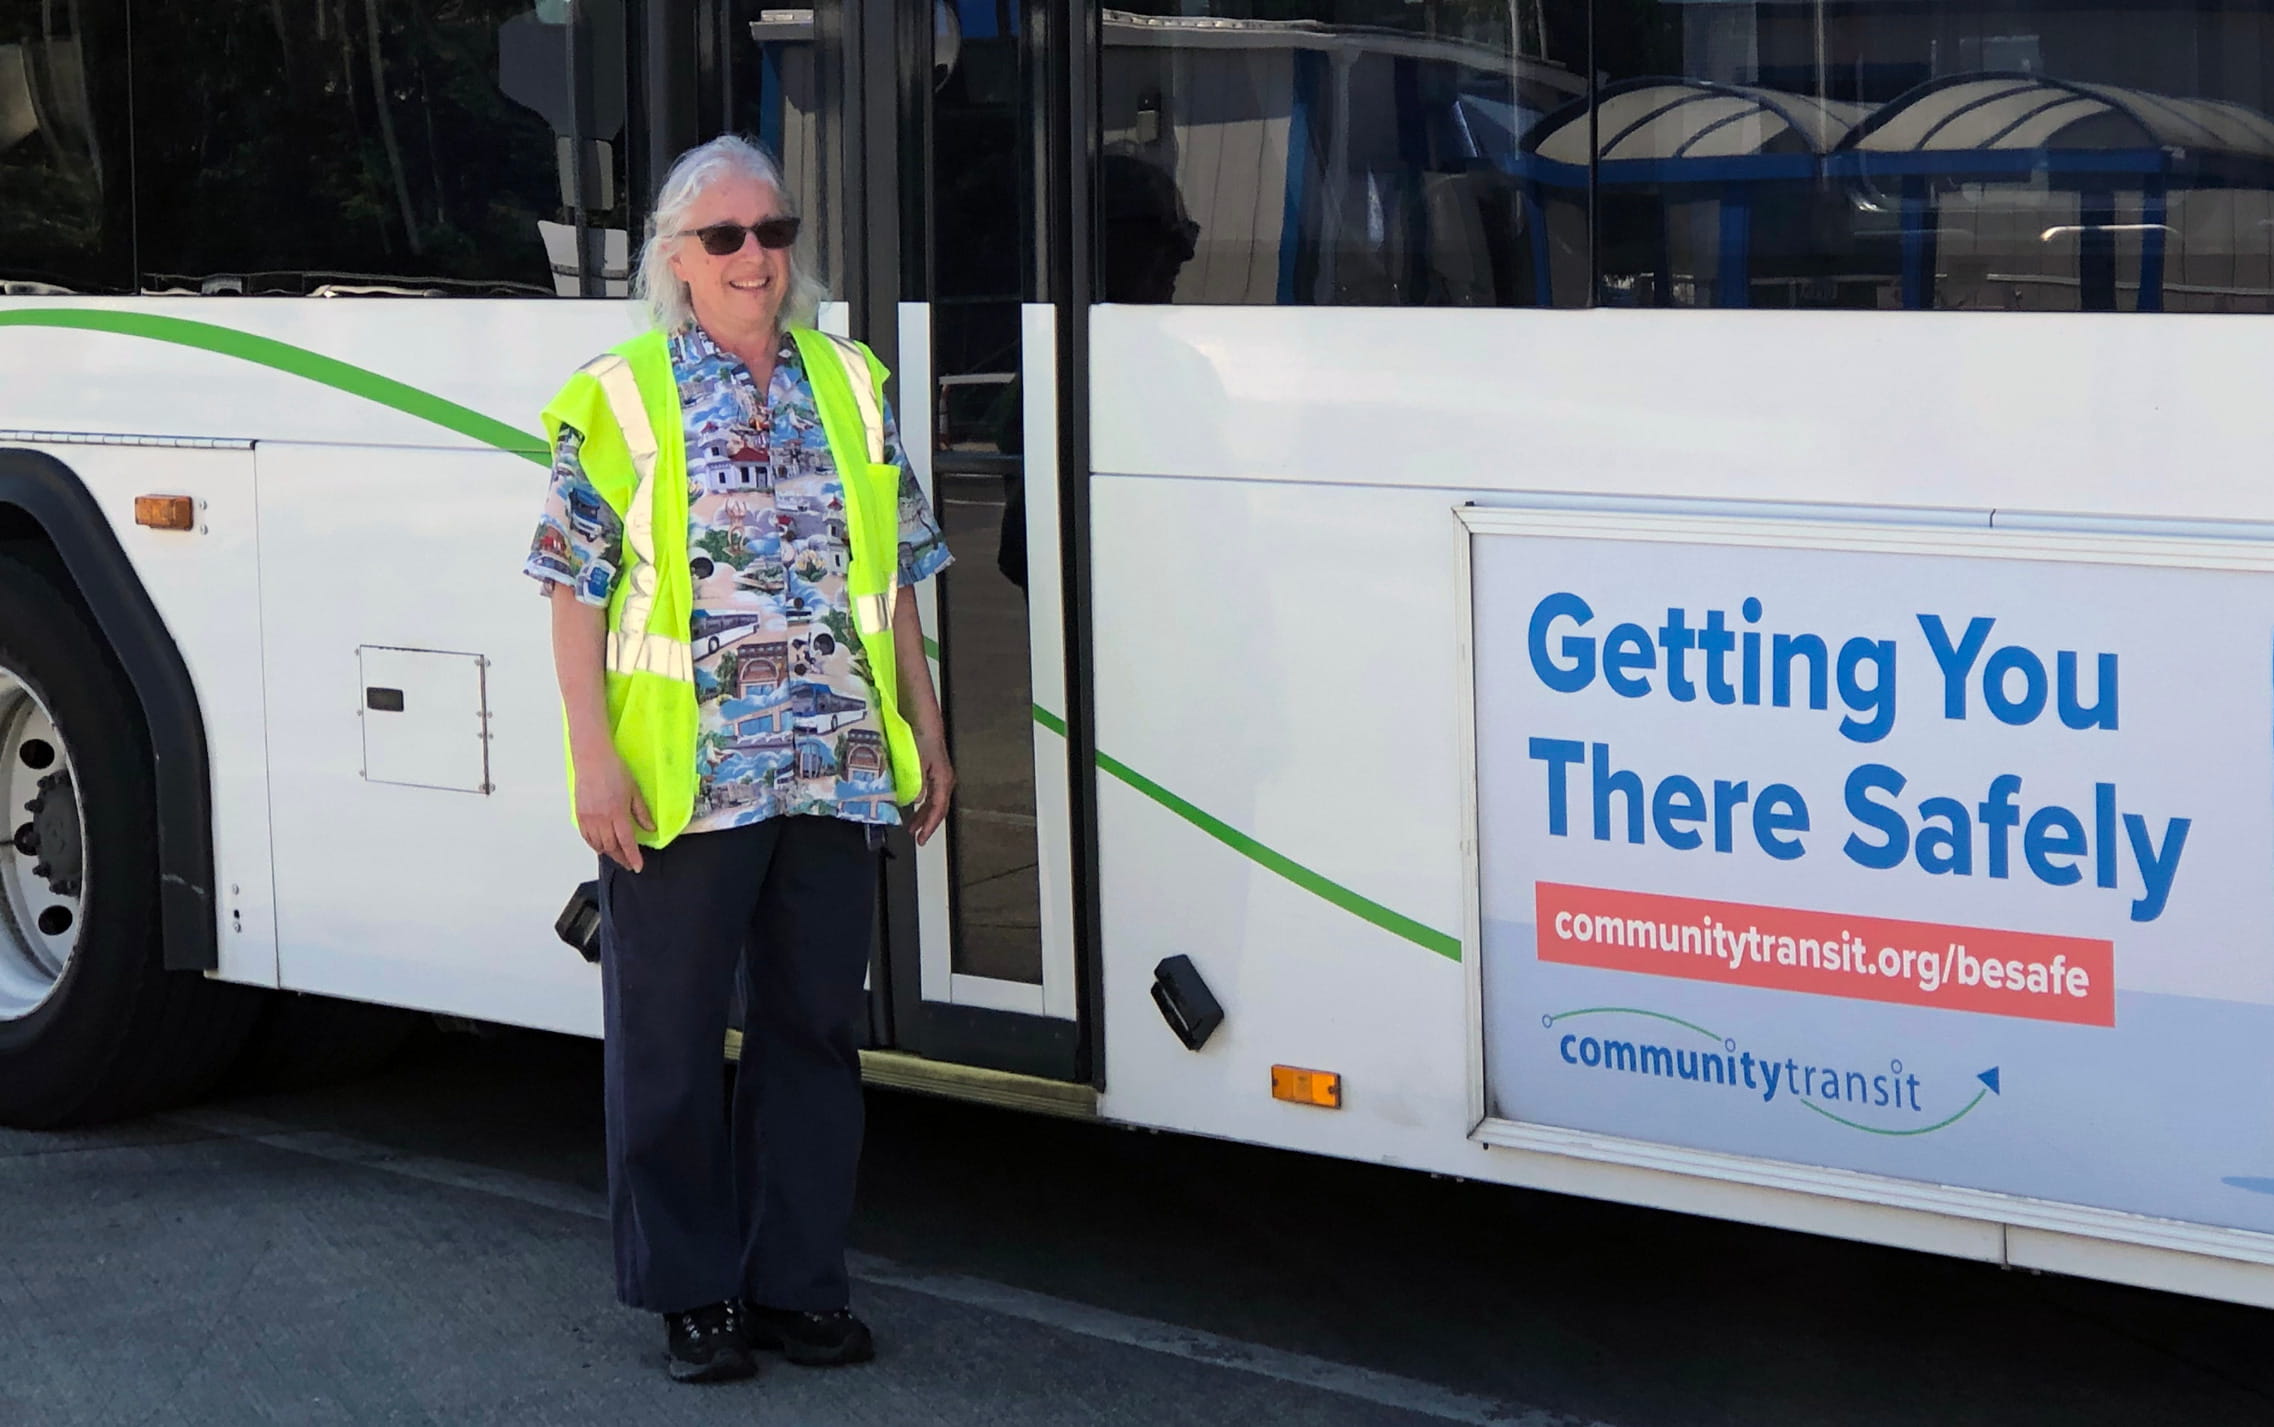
x,y
1689,140
2090,140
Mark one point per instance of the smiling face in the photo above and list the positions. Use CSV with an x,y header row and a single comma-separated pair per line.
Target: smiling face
x,y
737,298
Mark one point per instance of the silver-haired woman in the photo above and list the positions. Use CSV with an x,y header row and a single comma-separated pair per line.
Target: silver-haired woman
x,y
730,545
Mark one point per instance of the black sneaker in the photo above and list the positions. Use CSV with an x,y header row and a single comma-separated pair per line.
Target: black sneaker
x,y
707,1345
808,1339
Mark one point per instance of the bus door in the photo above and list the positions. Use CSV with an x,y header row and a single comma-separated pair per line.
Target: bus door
x,y
916,147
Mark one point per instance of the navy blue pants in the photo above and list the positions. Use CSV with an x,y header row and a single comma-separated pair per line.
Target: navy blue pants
x,y
753,1200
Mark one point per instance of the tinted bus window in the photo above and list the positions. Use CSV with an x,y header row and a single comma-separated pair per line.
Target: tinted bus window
x,y
351,146
777,83
1336,152
65,202
2065,156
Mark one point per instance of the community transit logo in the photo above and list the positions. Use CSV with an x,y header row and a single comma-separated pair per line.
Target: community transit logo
x,y
1881,1099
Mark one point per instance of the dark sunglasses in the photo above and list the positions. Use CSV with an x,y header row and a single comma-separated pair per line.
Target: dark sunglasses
x,y
723,240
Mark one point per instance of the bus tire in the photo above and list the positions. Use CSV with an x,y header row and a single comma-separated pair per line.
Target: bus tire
x,y
92,1025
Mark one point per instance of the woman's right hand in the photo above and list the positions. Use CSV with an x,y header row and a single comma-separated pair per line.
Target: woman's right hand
x,y
608,804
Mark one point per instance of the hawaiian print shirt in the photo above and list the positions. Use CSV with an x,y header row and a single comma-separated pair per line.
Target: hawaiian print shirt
x,y
789,711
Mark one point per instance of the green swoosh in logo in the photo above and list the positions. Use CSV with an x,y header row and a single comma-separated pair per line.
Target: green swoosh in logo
x,y
296,361
1634,1011
1876,1130
1963,1111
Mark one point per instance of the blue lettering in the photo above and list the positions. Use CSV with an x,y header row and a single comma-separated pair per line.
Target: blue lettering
x,y
2157,868
2073,713
1558,754
1876,698
1955,662
1726,797
1607,781
1777,811
2010,660
1783,650
2053,831
1949,847
1625,649
1677,638
1862,783
1678,800
1579,649
1999,816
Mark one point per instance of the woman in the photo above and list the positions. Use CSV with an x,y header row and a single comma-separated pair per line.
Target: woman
x,y
729,545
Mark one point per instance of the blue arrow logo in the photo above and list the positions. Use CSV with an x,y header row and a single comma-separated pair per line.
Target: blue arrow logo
x,y
1990,1078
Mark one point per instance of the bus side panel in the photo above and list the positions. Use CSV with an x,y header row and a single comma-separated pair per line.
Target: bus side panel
x,y
2084,413
205,584
314,369
1297,688
396,615
1279,725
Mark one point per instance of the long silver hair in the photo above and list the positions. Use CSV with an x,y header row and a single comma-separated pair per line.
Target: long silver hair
x,y
653,285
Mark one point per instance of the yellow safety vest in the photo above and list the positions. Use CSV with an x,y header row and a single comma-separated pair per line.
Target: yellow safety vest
x,y
626,405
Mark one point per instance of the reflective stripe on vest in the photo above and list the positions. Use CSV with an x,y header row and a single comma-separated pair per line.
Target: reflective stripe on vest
x,y
632,649
872,614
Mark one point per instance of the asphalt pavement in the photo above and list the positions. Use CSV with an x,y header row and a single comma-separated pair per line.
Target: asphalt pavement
x,y
427,1246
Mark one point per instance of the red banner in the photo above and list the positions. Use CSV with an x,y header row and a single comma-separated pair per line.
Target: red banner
x,y
1996,973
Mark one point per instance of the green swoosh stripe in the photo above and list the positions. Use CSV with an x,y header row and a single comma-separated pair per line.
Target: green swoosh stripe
x,y
426,406
296,361
1364,908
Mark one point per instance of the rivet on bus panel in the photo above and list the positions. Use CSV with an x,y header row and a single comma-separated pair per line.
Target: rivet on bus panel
x,y
165,512
1306,1087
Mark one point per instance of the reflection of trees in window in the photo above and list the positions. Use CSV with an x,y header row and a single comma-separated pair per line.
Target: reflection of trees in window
x,y
337,139
62,111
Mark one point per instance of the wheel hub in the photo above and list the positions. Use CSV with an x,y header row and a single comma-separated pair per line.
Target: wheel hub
x,y
54,834
43,852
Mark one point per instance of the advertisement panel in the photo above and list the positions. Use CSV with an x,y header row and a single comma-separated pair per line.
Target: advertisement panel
x,y
1920,857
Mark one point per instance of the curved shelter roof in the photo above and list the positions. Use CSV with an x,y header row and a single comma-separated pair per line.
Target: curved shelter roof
x,y
1674,120
1982,113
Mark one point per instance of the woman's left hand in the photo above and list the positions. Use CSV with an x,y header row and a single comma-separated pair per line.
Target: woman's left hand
x,y
939,786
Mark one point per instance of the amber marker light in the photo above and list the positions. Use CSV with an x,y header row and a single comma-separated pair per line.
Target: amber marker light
x,y
165,512
1306,1087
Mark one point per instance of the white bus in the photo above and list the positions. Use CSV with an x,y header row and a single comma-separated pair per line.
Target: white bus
x,y
1812,767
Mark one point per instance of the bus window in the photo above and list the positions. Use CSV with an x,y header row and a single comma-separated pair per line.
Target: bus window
x,y
65,208
1336,152
776,82
2066,156
381,146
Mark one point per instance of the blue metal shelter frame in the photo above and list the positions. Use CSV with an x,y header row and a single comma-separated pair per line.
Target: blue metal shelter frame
x,y
2152,167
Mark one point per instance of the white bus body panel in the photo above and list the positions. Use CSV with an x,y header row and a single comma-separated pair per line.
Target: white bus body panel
x,y
205,584
417,896
350,523
2090,414
503,358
